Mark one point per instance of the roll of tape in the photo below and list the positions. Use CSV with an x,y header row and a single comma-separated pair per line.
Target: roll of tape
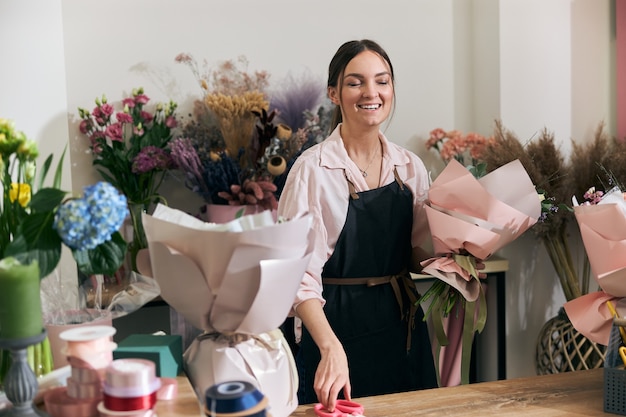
x,y
239,398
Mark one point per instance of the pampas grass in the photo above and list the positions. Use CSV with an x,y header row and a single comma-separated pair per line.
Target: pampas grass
x,y
600,163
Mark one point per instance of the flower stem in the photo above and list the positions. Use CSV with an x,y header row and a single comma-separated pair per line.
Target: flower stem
x,y
561,258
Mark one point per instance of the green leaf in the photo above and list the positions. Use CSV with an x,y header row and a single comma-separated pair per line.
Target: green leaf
x,y
58,174
47,200
44,171
45,248
105,259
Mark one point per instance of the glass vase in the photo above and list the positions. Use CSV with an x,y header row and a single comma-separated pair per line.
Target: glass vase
x,y
138,240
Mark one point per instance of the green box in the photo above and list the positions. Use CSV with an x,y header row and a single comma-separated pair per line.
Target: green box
x,y
166,351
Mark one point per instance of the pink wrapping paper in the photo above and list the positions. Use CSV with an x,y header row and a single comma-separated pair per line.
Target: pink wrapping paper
x,y
478,217
237,282
474,217
603,231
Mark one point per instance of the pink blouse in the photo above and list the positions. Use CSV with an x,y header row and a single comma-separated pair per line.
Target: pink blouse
x,y
317,184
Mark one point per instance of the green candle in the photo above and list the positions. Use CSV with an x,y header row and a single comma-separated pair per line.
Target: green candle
x,y
20,302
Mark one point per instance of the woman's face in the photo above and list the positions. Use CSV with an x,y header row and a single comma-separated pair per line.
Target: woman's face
x,y
366,92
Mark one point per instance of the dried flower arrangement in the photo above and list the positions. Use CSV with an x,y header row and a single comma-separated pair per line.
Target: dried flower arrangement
x,y
558,179
241,139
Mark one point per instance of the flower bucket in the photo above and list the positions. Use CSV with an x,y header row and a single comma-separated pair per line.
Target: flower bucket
x,y
57,323
223,213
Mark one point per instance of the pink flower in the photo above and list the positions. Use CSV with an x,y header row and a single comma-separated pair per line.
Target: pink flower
x,y
115,132
85,126
141,99
124,117
100,116
128,102
171,122
146,116
107,110
453,144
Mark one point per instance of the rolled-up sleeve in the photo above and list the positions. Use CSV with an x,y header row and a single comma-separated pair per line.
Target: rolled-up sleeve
x,y
300,197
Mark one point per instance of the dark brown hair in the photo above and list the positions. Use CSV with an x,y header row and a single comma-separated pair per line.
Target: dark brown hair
x,y
340,61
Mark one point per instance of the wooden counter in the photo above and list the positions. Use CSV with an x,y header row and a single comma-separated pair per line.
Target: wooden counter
x,y
185,404
568,394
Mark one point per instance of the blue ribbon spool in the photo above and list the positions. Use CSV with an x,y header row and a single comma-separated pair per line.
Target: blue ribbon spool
x,y
234,397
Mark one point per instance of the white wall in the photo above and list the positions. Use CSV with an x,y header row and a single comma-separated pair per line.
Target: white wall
x,y
32,82
459,64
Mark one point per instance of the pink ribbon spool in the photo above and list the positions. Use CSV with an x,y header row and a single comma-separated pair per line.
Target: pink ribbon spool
x,y
83,372
84,390
91,344
59,404
130,384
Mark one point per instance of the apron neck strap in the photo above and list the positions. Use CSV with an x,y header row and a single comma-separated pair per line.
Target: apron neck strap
x,y
355,196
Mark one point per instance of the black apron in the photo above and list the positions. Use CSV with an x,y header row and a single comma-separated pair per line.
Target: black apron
x,y
388,347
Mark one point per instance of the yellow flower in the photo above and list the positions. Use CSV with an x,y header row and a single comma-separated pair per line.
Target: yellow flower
x,y
20,192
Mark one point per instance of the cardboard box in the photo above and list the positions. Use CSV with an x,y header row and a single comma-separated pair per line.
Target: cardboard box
x,y
166,351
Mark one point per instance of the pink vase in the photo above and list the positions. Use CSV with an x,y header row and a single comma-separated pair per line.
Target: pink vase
x,y
222,213
71,319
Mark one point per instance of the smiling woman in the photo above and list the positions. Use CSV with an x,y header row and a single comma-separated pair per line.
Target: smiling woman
x,y
357,300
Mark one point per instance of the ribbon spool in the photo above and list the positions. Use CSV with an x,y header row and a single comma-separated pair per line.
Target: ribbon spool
x,y
91,344
235,399
130,385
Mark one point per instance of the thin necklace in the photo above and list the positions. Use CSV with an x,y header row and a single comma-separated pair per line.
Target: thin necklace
x,y
364,171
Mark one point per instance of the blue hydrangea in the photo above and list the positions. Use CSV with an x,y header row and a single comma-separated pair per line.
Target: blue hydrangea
x,y
87,222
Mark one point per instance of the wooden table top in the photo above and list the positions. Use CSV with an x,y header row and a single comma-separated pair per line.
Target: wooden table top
x,y
568,394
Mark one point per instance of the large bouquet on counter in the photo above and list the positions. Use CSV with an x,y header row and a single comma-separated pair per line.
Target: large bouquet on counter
x,y
470,219
602,222
236,282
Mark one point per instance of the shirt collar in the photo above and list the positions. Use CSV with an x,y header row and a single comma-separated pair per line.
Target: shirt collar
x,y
333,153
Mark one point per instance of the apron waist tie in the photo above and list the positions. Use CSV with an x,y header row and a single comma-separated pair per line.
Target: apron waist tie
x,y
398,282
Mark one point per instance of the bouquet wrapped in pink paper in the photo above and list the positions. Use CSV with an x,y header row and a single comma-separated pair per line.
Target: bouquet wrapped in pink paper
x,y
603,231
477,217
237,282
470,219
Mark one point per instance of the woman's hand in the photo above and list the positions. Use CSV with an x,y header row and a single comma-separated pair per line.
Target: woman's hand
x,y
332,376
332,373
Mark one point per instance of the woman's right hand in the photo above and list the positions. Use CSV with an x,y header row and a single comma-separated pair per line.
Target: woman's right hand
x,y
332,376
332,373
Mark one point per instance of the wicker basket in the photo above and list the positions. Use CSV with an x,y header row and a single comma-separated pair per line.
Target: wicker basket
x,y
561,348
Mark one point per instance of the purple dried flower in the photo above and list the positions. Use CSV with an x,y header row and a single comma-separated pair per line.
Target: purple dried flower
x,y
295,97
185,156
